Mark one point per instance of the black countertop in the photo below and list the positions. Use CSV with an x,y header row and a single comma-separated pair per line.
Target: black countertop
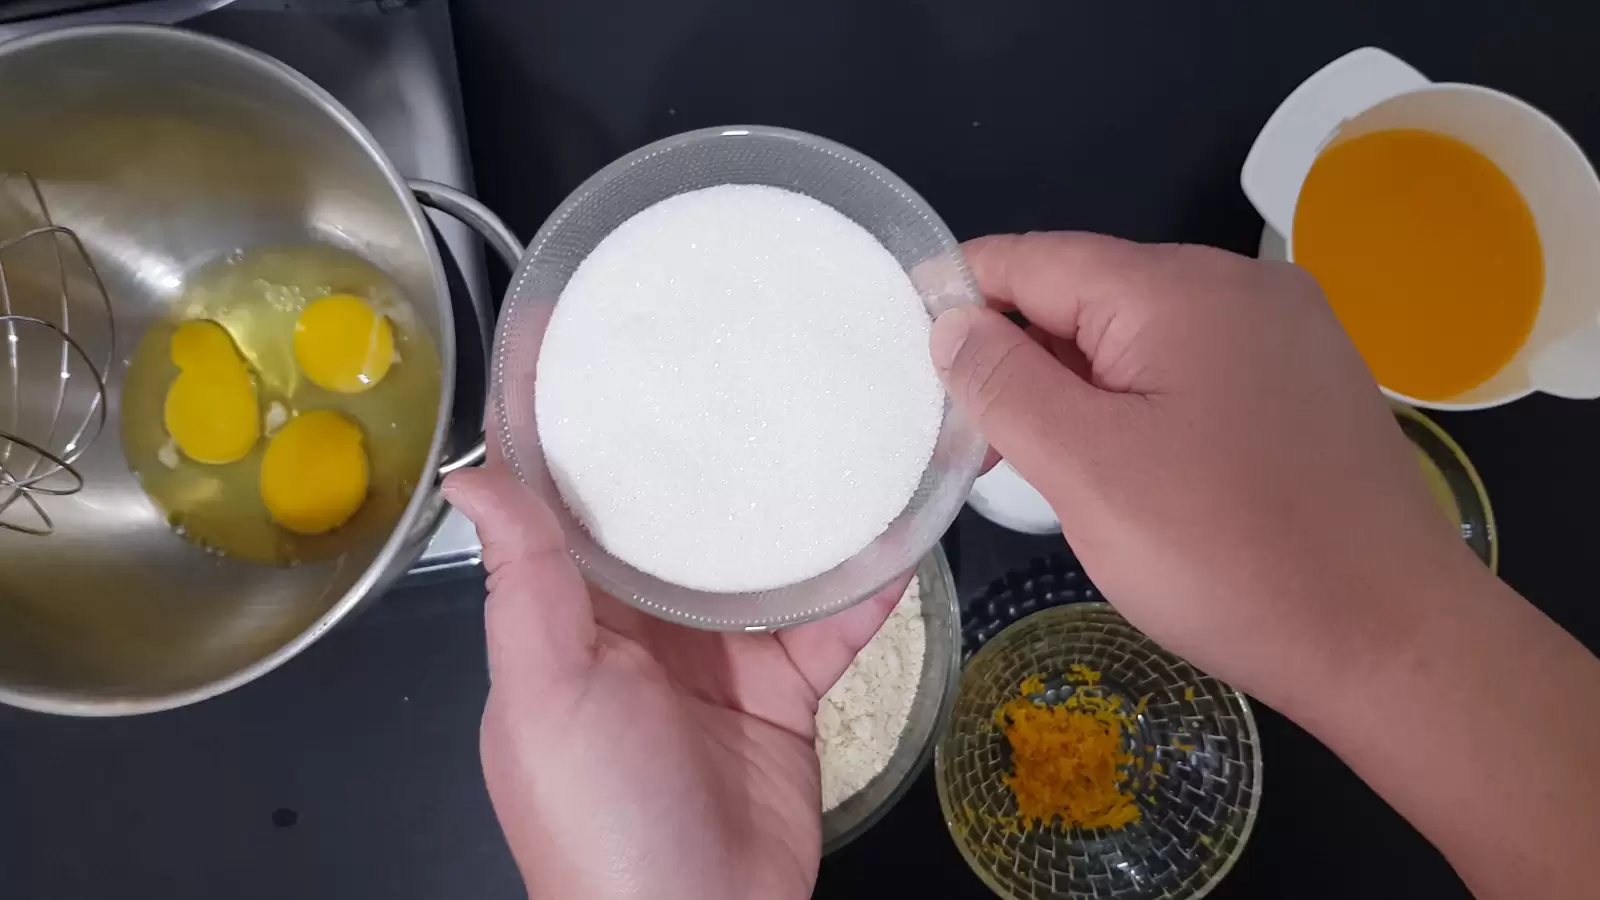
x,y
353,770
1128,118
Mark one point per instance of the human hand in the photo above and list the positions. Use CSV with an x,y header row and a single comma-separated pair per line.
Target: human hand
x,y
630,757
1219,457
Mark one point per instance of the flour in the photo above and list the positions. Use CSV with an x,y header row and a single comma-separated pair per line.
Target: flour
x,y
734,393
860,719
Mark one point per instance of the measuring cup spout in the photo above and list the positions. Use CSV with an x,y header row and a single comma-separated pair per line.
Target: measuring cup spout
x,y
1308,117
1569,365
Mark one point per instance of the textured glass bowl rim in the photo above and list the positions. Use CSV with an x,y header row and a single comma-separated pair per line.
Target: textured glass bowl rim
x,y
945,646
1464,463
960,475
981,869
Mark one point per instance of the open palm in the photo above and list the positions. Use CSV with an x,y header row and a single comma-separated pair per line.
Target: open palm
x,y
630,757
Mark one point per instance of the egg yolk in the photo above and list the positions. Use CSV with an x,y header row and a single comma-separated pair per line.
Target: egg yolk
x,y
211,410
314,474
343,344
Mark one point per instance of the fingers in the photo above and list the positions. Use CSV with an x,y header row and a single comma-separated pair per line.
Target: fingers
x,y
821,651
1062,281
538,617
991,458
1023,400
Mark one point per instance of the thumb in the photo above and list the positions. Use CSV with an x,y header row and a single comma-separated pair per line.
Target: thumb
x,y
1026,403
538,617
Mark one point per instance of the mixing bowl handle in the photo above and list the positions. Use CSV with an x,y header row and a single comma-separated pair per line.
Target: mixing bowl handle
x,y
494,232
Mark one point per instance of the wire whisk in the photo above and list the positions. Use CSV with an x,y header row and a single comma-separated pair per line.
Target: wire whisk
x,y
53,394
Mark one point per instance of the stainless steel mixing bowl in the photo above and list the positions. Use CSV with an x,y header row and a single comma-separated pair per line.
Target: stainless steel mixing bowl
x,y
164,149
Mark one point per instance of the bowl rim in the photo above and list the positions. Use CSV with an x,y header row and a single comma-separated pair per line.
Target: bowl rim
x,y
1460,458
981,869
959,474
936,564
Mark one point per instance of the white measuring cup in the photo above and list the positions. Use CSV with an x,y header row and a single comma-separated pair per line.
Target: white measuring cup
x,y
1369,90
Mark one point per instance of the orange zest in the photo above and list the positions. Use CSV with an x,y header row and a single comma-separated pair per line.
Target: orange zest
x,y
1068,760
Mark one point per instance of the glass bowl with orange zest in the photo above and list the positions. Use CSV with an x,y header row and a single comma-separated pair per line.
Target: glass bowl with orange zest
x,y
1083,761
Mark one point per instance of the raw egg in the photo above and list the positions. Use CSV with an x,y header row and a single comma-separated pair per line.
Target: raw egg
x,y
314,473
211,409
319,351
343,345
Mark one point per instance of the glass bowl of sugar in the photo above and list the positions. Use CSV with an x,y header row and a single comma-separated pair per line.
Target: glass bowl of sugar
x,y
713,365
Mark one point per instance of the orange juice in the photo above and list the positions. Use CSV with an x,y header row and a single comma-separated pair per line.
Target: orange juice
x,y
1428,255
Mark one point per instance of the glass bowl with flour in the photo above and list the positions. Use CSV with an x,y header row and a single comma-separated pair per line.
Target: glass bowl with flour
x,y
878,725
713,363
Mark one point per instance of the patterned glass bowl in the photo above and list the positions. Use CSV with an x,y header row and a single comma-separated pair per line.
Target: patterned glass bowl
x,y
930,711
1454,483
1197,766
866,193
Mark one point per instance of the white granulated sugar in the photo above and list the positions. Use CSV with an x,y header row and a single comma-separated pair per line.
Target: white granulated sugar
x,y
860,719
735,393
